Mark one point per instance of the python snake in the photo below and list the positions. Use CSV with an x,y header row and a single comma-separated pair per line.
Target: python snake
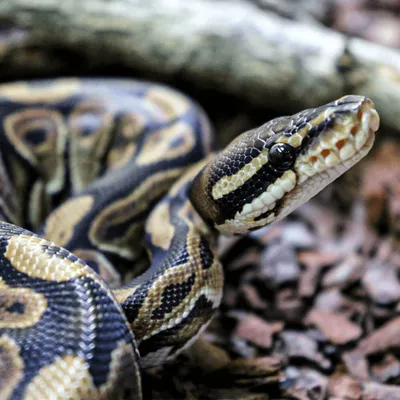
x,y
95,166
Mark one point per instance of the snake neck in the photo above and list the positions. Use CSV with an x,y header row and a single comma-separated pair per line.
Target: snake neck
x,y
182,288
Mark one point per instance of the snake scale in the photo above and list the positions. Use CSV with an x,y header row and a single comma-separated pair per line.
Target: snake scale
x,y
103,167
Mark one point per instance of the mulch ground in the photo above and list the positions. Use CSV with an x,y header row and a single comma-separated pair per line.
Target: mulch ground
x,y
311,306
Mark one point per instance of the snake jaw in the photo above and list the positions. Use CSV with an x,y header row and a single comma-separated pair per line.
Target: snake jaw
x,y
350,135
334,152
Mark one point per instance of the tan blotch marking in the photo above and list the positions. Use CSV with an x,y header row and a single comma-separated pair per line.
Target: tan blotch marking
x,y
68,377
207,281
47,155
188,176
193,220
21,123
89,144
159,227
161,144
127,208
122,294
61,223
124,374
95,142
171,103
38,204
228,184
20,182
26,255
35,305
9,200
296,139
267,200
11,366
124,147
144,326
60,89
118,157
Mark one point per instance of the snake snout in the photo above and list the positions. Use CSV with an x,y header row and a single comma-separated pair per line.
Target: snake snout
x,y
347,134
355,130
352,123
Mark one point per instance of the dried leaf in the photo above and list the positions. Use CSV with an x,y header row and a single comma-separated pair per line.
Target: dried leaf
x,y
334,326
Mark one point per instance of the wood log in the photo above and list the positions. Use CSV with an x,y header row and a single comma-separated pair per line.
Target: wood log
x,y
230,46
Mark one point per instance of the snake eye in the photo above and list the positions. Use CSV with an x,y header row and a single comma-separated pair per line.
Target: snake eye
x,y
282,156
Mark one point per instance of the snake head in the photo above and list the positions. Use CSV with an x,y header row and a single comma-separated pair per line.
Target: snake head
x,y
265,173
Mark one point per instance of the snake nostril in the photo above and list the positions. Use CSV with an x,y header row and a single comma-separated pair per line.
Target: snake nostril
x,y
340,144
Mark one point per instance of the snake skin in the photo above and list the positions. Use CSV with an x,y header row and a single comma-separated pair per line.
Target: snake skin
x,y
106,168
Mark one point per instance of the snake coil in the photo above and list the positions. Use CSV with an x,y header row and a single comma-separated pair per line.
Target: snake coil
x,y
104,168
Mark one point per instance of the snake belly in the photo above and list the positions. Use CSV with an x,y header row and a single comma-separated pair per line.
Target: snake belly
x,y
95,166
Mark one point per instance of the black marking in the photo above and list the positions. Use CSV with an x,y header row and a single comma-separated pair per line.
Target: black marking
x,y
257,184
36,137
17,308
59,330
173,337
206,255
133,303
262,216
172,296
61,253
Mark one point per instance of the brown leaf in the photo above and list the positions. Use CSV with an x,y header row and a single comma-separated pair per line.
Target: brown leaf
x,y
251,297
300,346
345,273
344,387
307,384
257,331
383,339
279,264
356,365
314,261
386,369
334,326
381,282
288,304
377,391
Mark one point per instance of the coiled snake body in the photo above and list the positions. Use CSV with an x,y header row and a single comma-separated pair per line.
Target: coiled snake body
x,y
112,159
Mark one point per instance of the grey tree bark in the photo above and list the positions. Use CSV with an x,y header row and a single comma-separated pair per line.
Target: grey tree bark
x,y
229,45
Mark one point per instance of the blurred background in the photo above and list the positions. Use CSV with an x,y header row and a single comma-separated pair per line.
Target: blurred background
x,y
311,305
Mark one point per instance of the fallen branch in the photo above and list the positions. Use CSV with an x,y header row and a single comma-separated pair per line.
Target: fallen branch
x,y
227,45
